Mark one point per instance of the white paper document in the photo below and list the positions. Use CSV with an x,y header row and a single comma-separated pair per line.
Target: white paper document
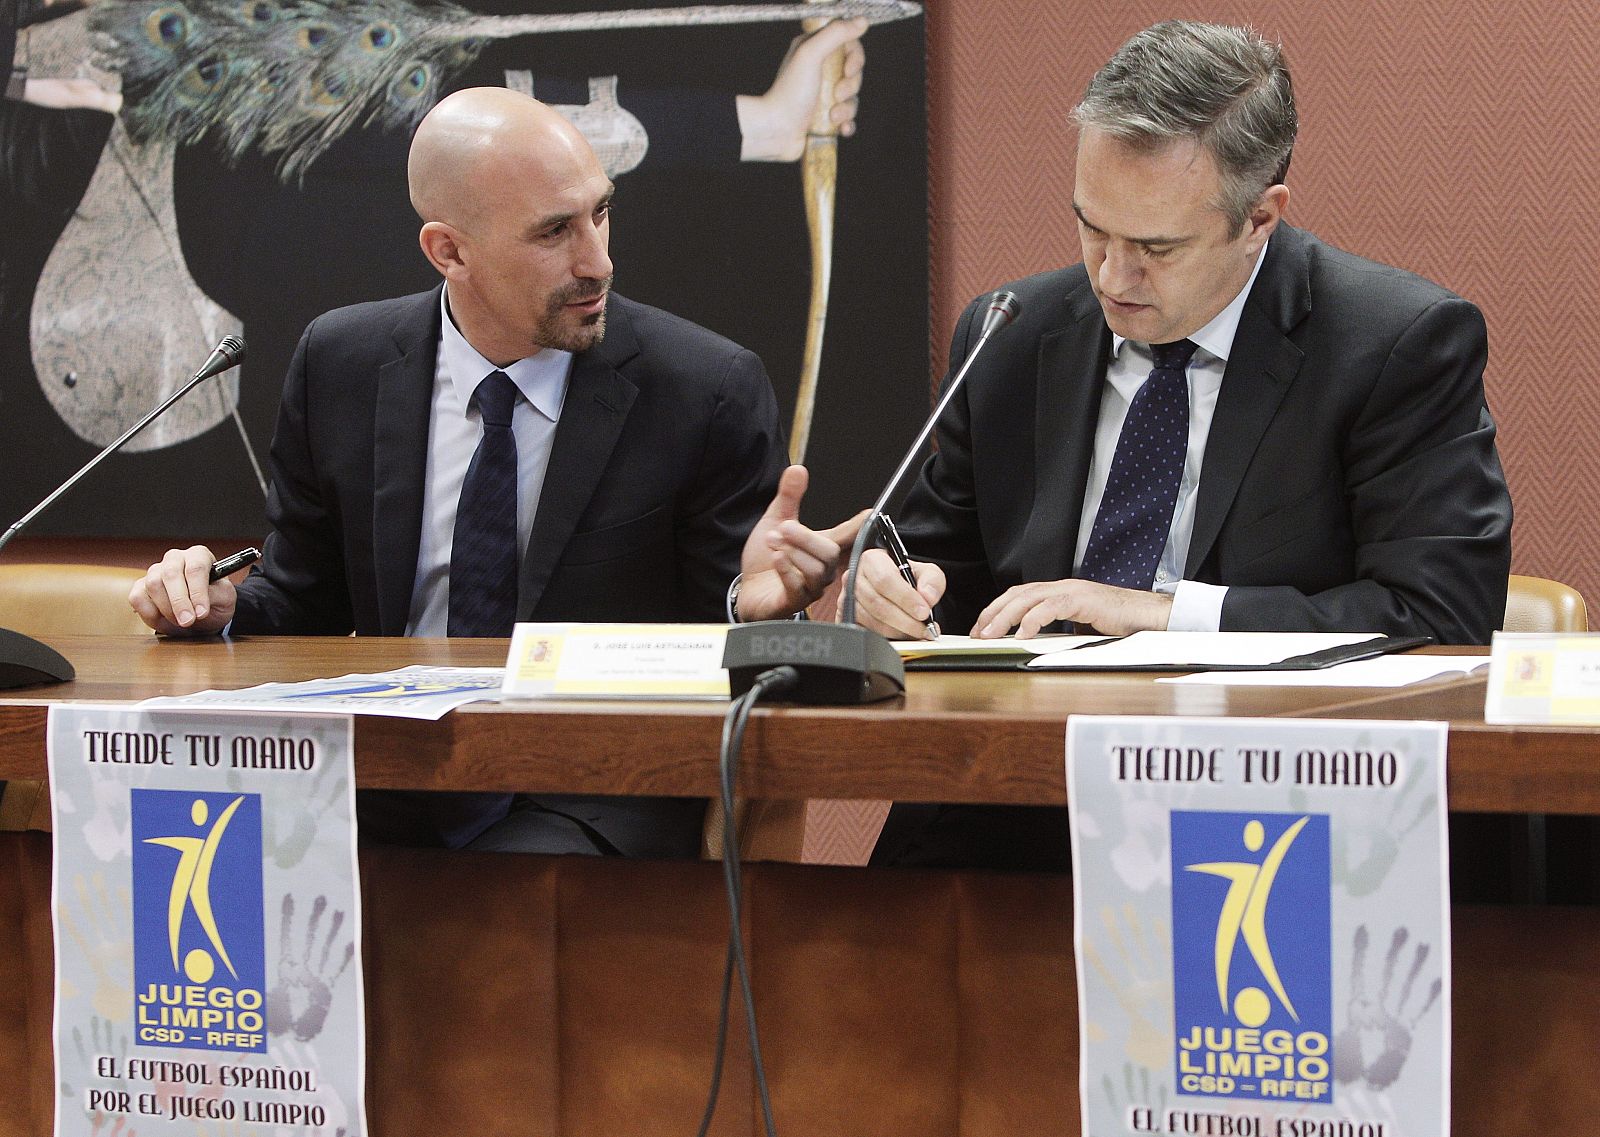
x,y
1179,650
417,692
1385,671
946,646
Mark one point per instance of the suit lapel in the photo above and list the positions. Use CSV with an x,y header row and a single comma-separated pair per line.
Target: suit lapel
x,y
592,418
1261,368
400,458
1072,365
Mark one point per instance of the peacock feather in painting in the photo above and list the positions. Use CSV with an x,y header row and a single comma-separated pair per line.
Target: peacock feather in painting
x,y
117,321
286,77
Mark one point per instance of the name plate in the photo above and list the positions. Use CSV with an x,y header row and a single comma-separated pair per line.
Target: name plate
x,y
642,661
1544,679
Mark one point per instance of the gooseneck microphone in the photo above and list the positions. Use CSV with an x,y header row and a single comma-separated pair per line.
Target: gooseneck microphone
x,y
224,356
845,663
1002,311
24,660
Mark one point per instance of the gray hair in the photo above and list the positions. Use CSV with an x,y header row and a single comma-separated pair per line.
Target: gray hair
x,y
1226,87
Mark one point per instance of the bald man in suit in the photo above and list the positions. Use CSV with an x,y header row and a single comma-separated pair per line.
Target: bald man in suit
x,y
649,475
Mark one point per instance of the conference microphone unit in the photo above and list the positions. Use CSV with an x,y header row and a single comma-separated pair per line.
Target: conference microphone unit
x,y
844,664
25,661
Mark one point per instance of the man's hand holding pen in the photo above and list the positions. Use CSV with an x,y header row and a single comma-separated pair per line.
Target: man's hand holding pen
x,y
895,596
902,561
188,593
888,603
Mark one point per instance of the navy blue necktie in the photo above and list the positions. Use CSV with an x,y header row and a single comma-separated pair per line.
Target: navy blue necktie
x,y
1135,516
483,553
483,583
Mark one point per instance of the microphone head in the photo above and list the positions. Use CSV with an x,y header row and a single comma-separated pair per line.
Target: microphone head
x,y
224,357
1004,307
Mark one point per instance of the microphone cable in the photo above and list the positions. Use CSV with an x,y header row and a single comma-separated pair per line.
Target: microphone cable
x,y
774,681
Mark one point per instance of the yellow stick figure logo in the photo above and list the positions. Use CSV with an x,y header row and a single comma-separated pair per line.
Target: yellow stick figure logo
x,y
191,887
1244,912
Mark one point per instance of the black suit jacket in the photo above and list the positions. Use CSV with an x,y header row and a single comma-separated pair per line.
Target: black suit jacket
x,y
1350,480
667,451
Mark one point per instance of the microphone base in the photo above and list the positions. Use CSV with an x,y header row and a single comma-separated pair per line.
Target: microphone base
x,y
25,662
839,664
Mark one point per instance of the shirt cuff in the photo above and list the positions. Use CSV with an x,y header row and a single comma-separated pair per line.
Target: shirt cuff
x,y
1196,607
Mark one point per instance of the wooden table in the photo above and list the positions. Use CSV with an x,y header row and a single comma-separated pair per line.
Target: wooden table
x,y
892,1002
978,737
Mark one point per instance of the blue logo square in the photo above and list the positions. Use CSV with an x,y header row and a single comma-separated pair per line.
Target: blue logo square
x,y
1252,970
199,940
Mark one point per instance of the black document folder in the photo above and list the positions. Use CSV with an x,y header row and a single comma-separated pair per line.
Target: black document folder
x,y
1088,658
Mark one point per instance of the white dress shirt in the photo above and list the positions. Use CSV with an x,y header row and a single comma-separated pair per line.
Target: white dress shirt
x,y
1196,607
455,428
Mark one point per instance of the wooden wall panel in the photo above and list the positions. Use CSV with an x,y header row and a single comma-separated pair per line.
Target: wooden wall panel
x,y
577,995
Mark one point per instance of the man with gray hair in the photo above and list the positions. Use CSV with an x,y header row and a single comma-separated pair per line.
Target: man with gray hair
x,y
1216,421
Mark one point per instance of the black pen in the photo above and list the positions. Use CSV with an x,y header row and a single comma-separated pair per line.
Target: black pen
x,y
227,566
902,561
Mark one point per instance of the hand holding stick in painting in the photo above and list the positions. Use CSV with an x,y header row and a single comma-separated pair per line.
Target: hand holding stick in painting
x,y
773,126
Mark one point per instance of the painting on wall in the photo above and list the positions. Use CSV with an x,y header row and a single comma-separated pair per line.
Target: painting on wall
x,y
180,170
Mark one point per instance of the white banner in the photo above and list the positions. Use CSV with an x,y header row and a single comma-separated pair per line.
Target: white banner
x,y
1262,926
207,924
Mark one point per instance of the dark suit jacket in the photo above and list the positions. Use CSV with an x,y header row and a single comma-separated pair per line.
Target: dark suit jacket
x,y
1350,480
667,451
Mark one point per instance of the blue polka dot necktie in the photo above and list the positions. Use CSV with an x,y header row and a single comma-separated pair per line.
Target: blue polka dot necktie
x,y
1130,530
483,552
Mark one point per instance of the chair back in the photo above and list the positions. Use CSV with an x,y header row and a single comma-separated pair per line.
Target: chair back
x,y
1534,604
68,599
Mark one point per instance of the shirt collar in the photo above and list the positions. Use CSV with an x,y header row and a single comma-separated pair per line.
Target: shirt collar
x,y
1216,338
542,377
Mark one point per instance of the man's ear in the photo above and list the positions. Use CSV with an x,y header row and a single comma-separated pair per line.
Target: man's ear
x,y
1265,215
441,244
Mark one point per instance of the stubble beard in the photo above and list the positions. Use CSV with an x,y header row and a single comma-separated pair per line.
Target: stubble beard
x,y
556,329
